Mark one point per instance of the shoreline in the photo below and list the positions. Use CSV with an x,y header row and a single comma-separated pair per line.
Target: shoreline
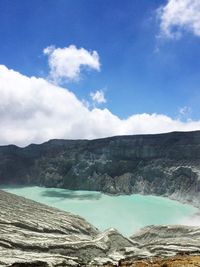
x,y
100,226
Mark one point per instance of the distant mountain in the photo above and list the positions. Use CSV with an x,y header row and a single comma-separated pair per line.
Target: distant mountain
x,y
162,164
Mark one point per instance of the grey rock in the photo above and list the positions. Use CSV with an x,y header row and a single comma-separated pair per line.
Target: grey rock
x,y
33,234
162,164
170,240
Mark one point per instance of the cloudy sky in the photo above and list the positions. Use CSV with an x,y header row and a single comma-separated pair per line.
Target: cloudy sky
x,y
96,68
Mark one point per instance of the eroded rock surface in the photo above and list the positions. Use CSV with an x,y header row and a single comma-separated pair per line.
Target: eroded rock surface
x,y
169,240
164,164
32,234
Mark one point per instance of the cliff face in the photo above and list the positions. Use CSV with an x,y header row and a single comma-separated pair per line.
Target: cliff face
x,y
164,164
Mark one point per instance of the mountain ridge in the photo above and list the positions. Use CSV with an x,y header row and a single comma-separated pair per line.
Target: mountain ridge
x,y
103,138
163,164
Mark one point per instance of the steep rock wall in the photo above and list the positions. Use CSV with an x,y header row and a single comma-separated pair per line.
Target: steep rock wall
x,y
163,164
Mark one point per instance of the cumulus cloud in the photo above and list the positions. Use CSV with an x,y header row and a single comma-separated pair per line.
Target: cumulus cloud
x,y
98,97
66,63
32,110
178,16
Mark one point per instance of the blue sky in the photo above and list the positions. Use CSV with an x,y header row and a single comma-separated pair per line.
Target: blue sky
x,y
143,70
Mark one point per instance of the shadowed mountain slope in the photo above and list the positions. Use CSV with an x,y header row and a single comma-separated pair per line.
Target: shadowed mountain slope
x,y
163,164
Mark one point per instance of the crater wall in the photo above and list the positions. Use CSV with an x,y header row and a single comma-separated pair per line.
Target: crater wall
x,y
163,164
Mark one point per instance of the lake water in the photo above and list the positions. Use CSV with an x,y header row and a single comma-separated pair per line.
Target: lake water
x,y
125,213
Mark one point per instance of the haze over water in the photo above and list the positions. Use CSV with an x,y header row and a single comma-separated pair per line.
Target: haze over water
x,y
125,213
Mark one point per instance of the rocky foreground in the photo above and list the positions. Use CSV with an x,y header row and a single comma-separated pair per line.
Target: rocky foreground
x,y
162,164
177,261
32,234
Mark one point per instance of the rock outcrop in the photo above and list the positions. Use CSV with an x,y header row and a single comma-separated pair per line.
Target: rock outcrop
x,y
169,240
32,234
163,164
37,234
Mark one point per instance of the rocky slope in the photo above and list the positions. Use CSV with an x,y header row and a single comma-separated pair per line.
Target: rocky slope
x,y
164,164
32,234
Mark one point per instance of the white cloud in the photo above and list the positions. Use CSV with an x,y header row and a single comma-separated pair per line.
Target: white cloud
x,y
98,97
66,63
178,16
34,110
185,112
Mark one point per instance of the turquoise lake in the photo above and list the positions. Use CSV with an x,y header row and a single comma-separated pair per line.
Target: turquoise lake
x,y
125,213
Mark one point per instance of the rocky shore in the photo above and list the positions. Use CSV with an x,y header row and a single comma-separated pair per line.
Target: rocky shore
x,y
32,234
